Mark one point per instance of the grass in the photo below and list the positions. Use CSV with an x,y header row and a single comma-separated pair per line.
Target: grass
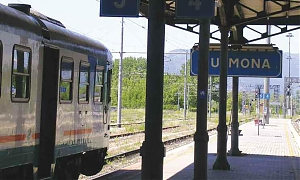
x,y
170,118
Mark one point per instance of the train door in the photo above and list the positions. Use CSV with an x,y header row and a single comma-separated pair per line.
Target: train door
x,y
83,102
48,111
108,98
99,92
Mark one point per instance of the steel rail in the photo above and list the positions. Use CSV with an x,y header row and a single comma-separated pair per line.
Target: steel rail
x,y
137,132
135,151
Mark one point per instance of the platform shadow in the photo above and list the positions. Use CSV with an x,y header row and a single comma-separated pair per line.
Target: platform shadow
x,y
122,174
248,167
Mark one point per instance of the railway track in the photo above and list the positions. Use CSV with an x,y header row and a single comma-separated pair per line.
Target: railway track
x,y
137,132
168,142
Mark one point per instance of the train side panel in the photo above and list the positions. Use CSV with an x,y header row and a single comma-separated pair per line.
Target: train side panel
x,y
19,101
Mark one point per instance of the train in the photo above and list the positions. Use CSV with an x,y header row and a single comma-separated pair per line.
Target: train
x,y
55,98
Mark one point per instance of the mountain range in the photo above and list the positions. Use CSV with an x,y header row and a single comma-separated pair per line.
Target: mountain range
x,y
176,58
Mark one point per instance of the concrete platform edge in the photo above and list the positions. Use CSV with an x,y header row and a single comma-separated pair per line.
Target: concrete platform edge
x,y
295,135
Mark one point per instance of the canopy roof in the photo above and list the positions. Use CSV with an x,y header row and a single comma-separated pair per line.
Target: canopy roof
x,y
250,12
238,14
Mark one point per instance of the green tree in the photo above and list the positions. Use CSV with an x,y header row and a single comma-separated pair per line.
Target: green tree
x,y
133,82
192,82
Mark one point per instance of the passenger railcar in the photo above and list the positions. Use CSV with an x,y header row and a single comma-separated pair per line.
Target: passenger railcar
x,y
54,98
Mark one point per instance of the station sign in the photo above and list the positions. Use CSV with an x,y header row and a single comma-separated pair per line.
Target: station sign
x,y
119,8
62,89
292,79
267,96
261,96
264,96
195,9
261,86
243,63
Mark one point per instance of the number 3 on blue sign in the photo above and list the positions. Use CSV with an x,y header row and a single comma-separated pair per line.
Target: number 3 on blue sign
x,y
120,5
119,8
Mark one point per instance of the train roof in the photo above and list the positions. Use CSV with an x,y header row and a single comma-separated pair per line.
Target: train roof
x,y
21,20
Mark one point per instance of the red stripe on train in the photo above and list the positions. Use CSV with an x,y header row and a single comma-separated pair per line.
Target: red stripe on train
x,y
77,131
22,137
12,138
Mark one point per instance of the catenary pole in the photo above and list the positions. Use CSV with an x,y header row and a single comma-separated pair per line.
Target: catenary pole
x,y
119,120
185,81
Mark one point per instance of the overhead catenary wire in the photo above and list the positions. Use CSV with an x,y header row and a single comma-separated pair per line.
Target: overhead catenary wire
x,y
167,39
136,36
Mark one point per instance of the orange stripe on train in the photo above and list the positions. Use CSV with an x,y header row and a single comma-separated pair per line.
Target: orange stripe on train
x,y
77,131
35,136
12,138
22,137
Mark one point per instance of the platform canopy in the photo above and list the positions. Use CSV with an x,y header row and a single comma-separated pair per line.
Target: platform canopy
x,y
239,14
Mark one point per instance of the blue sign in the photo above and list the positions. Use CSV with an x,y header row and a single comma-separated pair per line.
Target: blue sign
x,y
119,8
62,89
261,96
267,96
202,95
195,9
243,63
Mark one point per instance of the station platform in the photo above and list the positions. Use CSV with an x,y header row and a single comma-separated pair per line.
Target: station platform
x,y
273,154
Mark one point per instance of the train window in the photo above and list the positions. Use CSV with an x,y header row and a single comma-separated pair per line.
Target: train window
x,y
0,66
66,80
84,79
98,84
20,86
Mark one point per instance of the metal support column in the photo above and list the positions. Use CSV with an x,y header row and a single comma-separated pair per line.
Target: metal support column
x,y
234,151
153,150
267,88
210,94
221,162
201,135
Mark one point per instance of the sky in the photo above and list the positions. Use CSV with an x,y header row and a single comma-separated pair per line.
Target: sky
x,y
82,16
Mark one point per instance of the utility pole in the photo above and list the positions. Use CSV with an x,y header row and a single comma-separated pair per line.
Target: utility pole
x,y
292,105
178,100
289,35
120,78
266,110
258,109
188,96
210,90
185,81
